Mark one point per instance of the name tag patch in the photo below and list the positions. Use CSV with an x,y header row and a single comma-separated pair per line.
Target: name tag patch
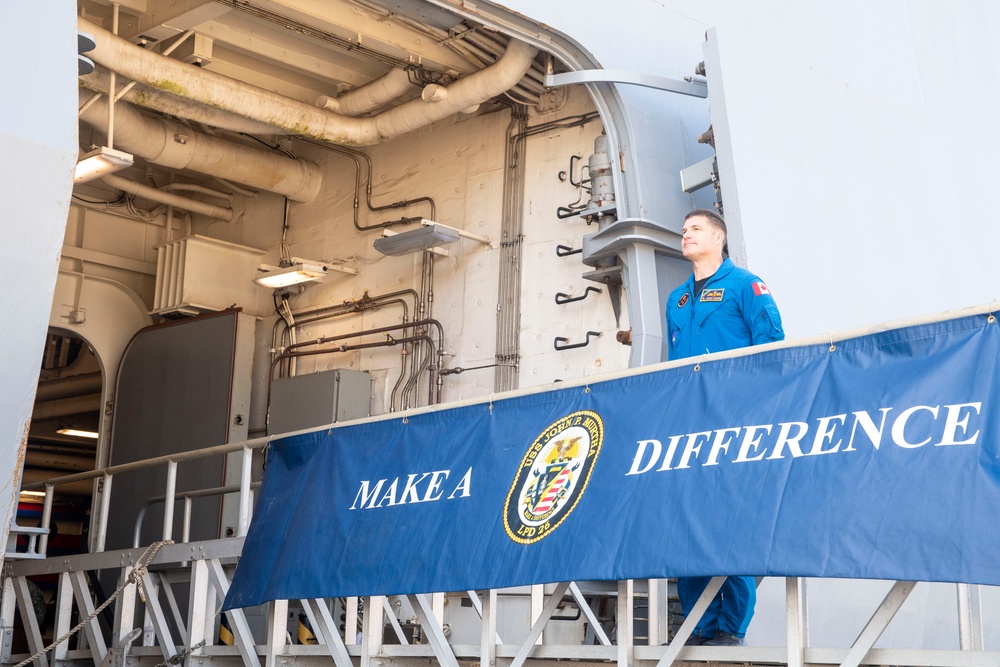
x,y
712,295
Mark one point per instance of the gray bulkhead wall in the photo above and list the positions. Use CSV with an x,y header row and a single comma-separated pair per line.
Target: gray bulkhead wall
x,y
38,139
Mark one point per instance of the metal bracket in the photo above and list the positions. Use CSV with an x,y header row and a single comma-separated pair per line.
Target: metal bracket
x,y
560,339
692,88
562,298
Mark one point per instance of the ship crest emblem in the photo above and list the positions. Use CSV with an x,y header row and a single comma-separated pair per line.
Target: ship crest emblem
x,y
552,476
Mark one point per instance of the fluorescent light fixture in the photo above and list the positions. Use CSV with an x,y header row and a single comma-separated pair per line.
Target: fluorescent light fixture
x,y
299,271
33,494
101,162
77,433
428,235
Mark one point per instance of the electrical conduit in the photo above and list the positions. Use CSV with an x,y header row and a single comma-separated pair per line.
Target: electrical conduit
x,y
162,197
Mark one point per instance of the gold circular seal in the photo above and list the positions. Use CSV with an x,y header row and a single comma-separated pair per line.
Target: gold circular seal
x,y
552,476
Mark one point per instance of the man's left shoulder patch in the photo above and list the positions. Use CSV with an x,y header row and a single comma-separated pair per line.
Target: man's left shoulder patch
x,y
712,295
759,288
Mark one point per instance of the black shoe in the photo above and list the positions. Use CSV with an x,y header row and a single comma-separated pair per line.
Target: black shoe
x,y
697,640
725,639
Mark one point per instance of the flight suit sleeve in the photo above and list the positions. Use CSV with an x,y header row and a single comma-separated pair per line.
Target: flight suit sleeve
x,y
761,314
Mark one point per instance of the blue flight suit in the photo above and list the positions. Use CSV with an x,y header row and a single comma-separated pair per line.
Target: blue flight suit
x,y
733,310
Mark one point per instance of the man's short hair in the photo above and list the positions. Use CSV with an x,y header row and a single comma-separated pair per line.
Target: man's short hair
x,y
716,221
712,216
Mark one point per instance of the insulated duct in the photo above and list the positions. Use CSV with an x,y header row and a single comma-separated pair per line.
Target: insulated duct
x,y
223,92
370,96
171,144
162,197
157,100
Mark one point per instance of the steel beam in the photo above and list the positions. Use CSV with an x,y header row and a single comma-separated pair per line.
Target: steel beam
x,y
539,624
327,633
879,621
970,618
423,607
237,619
581,602
795,618
690,88
488,628
156,616
690,621
626,621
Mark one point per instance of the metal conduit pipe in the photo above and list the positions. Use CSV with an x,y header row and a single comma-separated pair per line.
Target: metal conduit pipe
x,y
358,346
171,144
357,156
346,308
388,343
354,334
162,197
71,385
290,351
387,88
157,100
201,189
259,104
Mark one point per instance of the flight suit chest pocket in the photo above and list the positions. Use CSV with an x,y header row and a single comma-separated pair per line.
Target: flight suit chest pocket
x,y
715,303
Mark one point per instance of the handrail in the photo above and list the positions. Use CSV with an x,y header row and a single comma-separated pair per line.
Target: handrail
x,y
252,443
187,497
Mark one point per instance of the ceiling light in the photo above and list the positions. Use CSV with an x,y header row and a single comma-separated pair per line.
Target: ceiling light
x,y
101,162
77,433
33,494
299,271
429,235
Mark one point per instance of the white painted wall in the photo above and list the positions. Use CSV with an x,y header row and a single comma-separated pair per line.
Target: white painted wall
x,y
38,141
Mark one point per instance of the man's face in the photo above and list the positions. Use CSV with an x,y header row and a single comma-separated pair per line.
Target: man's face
x,y
700,239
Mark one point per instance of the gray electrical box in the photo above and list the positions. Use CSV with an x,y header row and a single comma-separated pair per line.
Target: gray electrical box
x,y
317,399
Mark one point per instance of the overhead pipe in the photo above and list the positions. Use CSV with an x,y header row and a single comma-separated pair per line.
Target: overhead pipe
x,y
157,100
263,105
201,189
171,144
162,197
63,407
387,88
68,386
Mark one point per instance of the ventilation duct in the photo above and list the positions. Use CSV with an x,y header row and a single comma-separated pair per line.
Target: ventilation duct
x,y
262,105
171,144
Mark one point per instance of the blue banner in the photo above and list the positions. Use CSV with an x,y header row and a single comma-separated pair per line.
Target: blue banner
x,y
878,457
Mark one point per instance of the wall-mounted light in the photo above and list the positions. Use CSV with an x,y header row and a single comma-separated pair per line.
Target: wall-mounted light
x,y
77,433
100,162
427,236
297,272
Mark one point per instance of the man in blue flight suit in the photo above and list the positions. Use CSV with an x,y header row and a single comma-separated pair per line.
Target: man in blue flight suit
x,y
720,307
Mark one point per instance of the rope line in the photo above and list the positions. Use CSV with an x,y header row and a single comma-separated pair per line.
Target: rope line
x,y
134,577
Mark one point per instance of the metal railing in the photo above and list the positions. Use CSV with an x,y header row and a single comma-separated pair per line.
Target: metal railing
x,y
533,632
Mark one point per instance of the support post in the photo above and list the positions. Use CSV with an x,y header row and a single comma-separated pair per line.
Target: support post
x,y
795,620
488,638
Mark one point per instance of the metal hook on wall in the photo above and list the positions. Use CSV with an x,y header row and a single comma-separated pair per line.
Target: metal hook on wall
x,y
566,251
560,339
566,298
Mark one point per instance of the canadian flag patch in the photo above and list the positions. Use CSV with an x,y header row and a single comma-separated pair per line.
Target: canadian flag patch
x,y
760,288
